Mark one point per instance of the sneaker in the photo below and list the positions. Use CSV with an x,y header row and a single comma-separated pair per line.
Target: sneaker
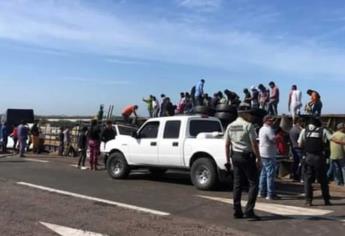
x,y
308,204
252,217
83,168
260,195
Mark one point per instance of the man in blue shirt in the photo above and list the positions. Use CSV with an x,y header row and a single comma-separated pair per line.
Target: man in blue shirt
x,y
199,92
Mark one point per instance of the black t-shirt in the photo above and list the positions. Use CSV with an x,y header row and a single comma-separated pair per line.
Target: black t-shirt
x,y
35,131
94,133
108,134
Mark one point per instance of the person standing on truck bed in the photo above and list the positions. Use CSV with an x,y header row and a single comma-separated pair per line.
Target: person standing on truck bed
x,y
241,146
149,103
199,92
128,111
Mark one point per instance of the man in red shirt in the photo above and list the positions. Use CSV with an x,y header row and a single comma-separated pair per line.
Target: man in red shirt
x,y
128,111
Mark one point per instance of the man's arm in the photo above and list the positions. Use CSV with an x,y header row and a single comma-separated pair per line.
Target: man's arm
x,y
301,139
289,103
254,144
227,152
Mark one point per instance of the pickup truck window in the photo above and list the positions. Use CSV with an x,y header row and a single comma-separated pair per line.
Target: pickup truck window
x,y
201,126
172,129
150,130
124,130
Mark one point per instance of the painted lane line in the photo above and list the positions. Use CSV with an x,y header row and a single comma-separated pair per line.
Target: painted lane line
x,y
94,199
35,160
277,209
66,231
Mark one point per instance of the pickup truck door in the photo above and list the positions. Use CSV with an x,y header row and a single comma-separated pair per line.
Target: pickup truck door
x,y
145,150
171,145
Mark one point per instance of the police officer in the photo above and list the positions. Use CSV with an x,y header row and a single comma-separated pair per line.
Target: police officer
x,y
312,140
241,147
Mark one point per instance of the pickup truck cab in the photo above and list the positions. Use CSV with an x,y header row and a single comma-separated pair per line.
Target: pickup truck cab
x,y
192,143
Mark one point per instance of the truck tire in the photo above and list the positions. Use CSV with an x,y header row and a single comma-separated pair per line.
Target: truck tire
x,y
117,166
200,109
204,174
224,108
223,115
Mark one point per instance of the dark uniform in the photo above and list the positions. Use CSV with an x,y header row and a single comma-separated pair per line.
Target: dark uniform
x,y
313,140
240,135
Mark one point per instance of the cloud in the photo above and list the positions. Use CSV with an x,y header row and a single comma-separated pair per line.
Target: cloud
x,y
73,26
203,5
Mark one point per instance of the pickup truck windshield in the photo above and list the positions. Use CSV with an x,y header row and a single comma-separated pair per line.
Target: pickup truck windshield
x,y
203,126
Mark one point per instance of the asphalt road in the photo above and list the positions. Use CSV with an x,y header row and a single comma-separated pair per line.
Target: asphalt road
x,y
188,211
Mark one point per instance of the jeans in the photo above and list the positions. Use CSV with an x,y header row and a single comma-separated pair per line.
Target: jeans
x,y
273,108
296,166
82,157
337,170
22,146
267,185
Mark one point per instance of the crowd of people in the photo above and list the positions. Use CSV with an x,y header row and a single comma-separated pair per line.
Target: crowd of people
x,y
250,151
260,97
254,152
22,137
254,157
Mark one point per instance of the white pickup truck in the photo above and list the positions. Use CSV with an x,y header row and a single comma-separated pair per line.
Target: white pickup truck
x,y
193,143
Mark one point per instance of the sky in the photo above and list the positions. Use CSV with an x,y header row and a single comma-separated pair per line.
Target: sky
x,y
66,57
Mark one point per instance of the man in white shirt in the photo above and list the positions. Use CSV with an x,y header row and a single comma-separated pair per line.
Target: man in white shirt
x,y
268,152
295,102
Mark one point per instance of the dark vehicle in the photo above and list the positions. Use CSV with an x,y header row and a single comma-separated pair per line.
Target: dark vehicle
x,y
16,116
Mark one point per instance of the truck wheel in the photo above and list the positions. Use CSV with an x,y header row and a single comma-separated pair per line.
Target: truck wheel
x,y
117,166
204,174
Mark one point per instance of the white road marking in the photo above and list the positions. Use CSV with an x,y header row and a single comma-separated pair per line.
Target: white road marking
x,y
118,204
35,160
277,209
66,231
